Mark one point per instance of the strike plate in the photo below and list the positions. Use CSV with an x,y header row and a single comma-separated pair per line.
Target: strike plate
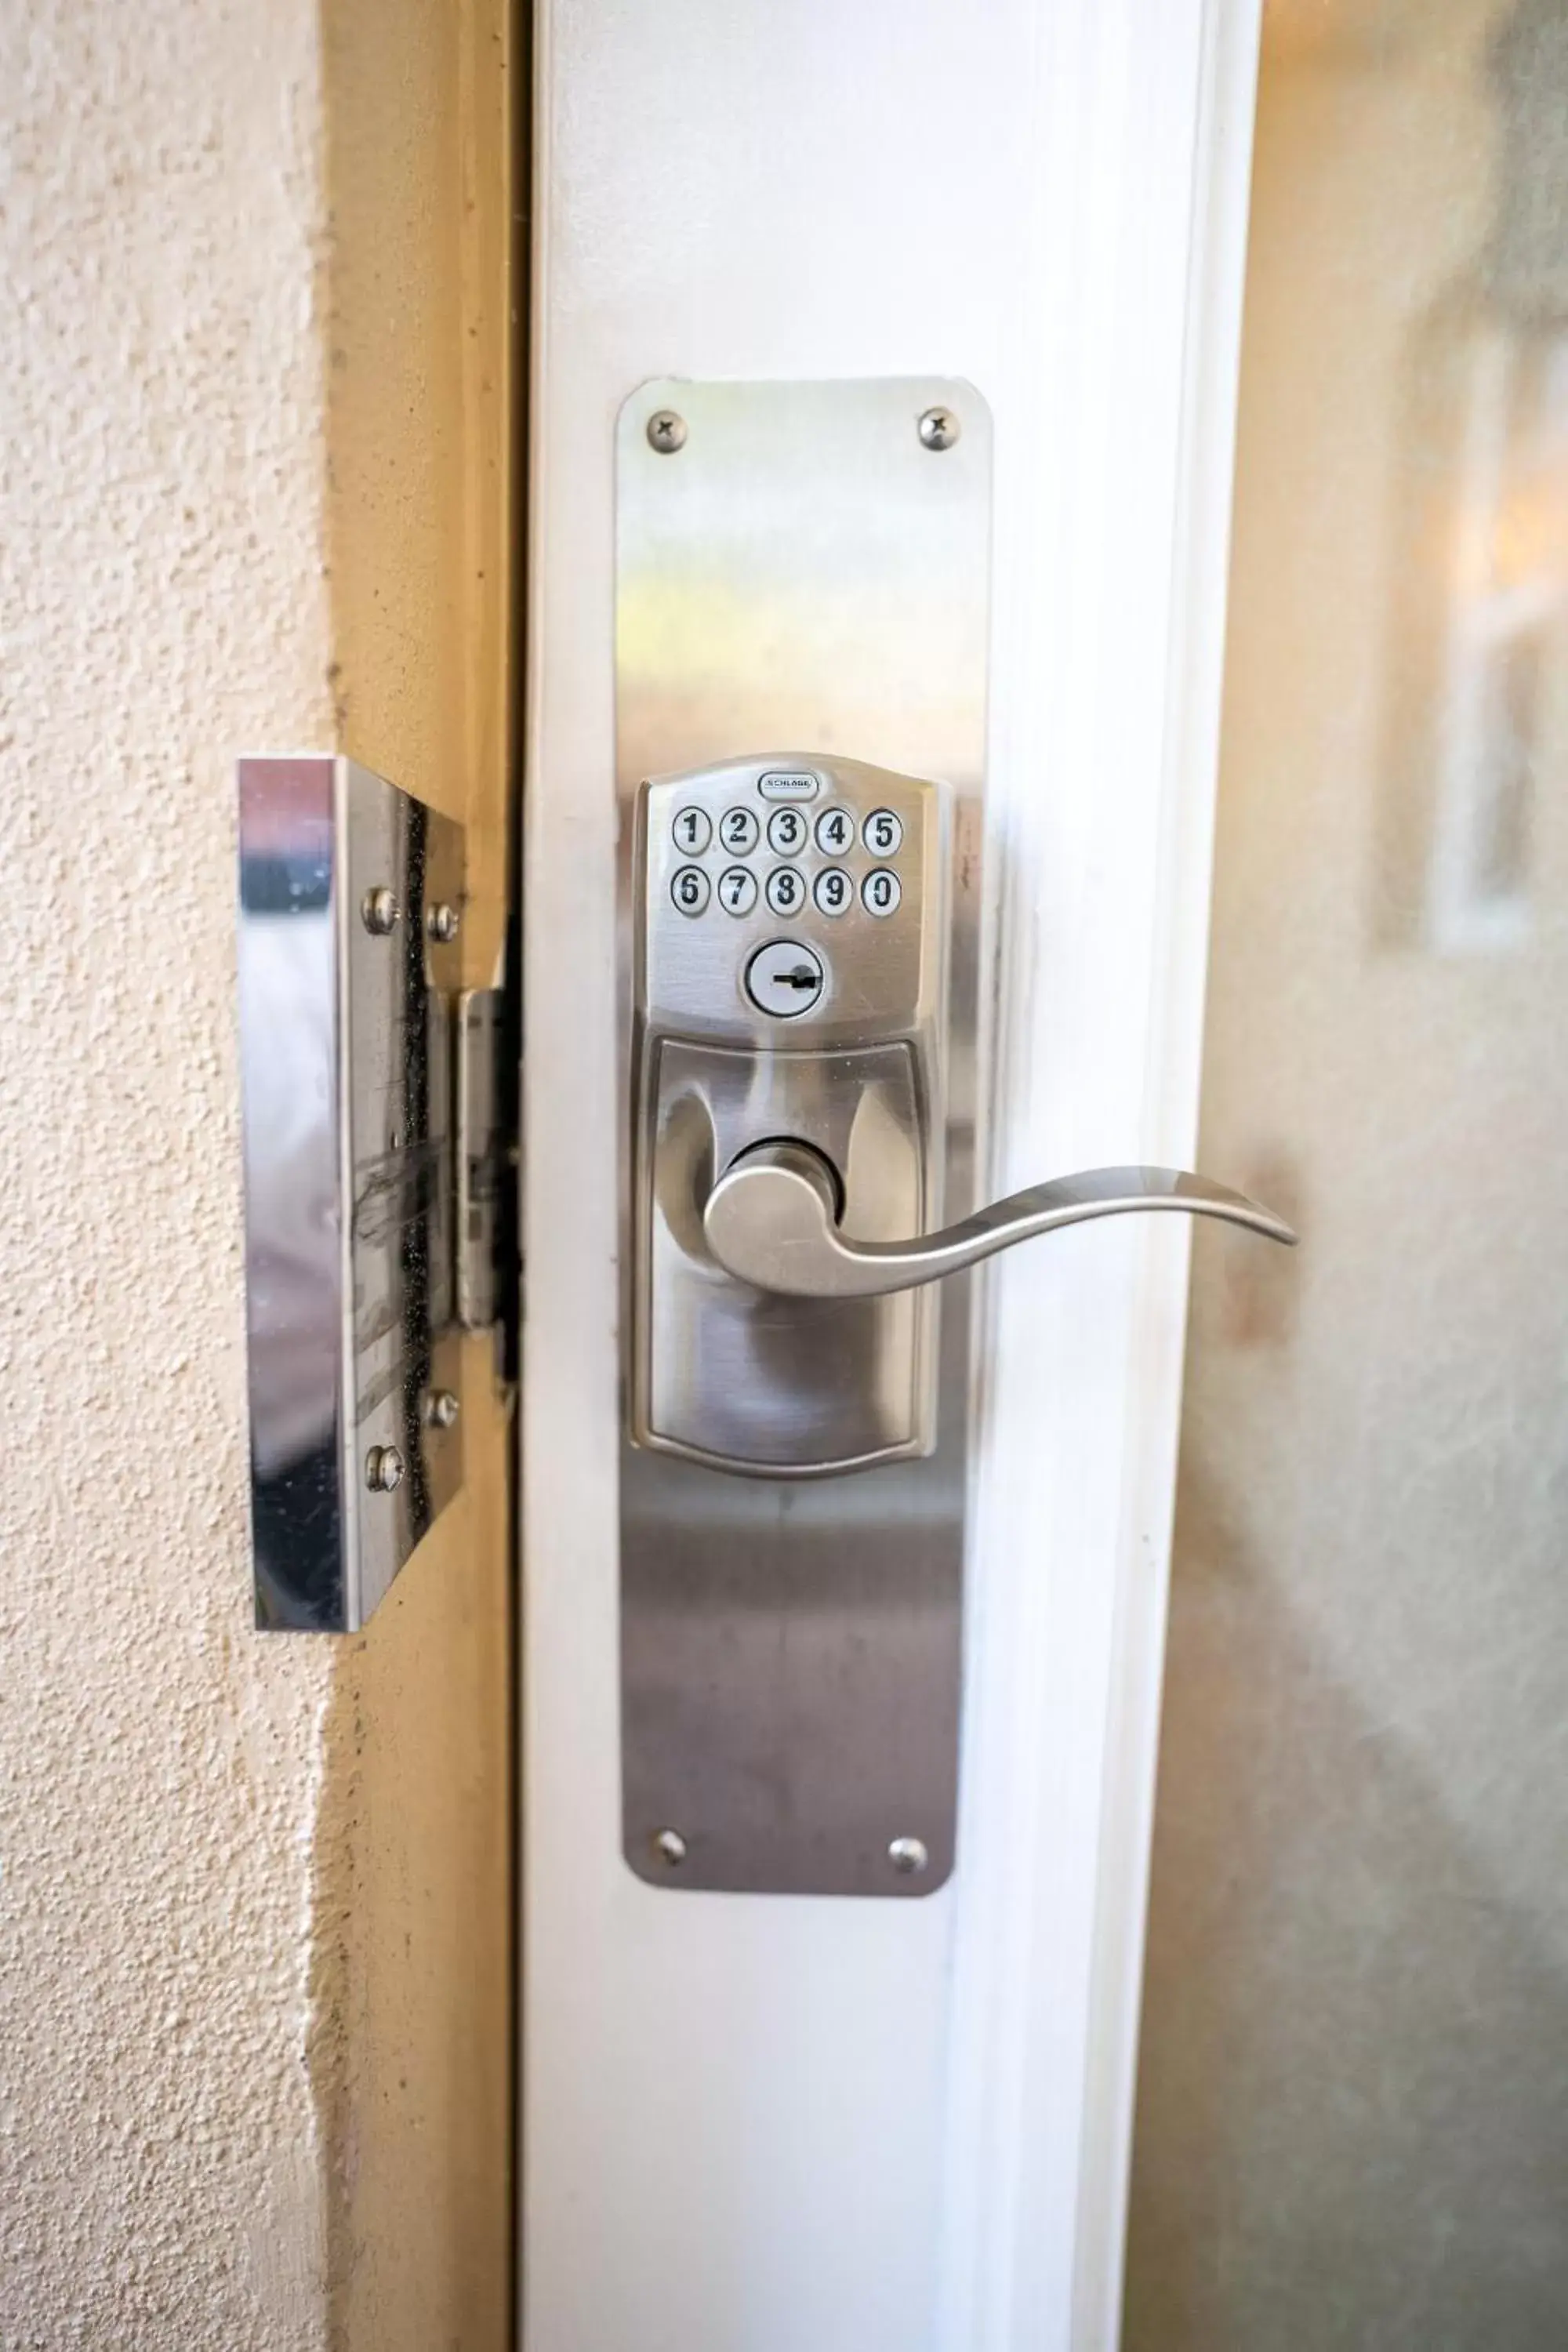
x,y
802,564
350,895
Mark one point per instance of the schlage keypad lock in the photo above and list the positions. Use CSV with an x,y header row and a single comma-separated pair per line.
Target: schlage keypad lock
x,y
790,1049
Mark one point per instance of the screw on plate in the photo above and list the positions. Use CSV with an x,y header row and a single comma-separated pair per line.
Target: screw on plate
x,y
907,1856
939,428
666,432
670,1848
442,922
441,1409
379,910
383,1469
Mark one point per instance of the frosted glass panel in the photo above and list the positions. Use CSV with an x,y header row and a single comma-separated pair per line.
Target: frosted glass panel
x,y
1353,2112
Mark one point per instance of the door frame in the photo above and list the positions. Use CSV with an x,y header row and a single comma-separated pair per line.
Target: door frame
x,y
761,2122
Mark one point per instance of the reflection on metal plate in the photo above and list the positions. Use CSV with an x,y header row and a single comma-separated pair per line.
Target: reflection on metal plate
x,y
347,980
802,571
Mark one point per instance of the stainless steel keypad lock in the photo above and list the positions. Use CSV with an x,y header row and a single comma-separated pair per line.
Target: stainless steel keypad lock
x,y
790,1058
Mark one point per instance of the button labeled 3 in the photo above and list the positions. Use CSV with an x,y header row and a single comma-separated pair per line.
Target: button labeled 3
x,y
784,979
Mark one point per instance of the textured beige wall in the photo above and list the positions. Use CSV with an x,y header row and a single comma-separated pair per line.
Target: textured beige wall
x,y
253,1974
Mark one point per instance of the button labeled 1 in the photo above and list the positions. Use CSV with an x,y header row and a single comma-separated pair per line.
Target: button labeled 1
x,y
784,979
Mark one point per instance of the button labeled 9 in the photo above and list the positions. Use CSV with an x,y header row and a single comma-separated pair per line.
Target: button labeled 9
x,y
832,890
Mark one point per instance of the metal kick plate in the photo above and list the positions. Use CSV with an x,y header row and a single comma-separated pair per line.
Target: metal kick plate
x,y
802,565
348,976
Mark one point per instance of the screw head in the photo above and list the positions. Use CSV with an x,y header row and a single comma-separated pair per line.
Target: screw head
x,y
441,1409
670,1848
907,1856
379,909
384,1467
666,432
939,428
442,923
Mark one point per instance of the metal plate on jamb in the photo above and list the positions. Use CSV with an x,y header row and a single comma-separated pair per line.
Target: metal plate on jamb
x,y
802,569
351,894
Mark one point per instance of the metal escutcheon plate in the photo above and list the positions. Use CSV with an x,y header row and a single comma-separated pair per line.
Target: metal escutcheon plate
x,y
802,565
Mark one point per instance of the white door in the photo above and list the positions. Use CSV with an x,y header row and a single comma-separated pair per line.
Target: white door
x,y
765,2121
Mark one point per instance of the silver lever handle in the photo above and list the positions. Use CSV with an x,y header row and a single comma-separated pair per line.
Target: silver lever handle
x,y
773,1220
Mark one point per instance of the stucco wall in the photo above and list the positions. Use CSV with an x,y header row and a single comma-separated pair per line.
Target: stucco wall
x,y
252,1890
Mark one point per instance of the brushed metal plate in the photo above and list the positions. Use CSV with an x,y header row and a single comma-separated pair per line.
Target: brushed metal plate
x,y
799,571
345,1058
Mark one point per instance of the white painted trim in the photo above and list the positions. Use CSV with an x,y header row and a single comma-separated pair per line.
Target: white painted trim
x,y
1072,1539
795,2126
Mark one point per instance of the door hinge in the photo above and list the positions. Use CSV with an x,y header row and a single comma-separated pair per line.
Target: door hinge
x,y
484,1160
380,1146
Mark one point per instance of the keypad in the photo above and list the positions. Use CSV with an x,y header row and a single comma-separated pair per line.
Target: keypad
x,y
848,871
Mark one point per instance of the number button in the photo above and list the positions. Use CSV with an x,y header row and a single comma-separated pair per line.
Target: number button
x,y
737,890
689,888
835,832
738,830
692,832
883,835
787,831
831,890
881,891
786,891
